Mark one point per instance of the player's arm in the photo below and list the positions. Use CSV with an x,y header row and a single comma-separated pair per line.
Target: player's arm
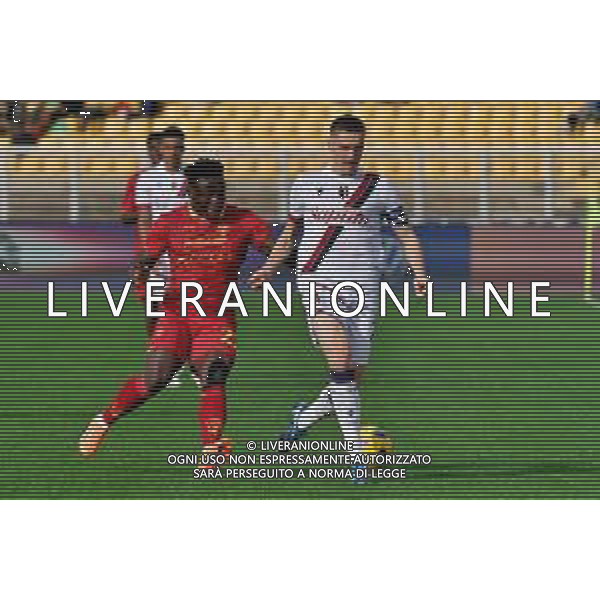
x,y
407,237
284,245
143,224
129,212
261,238
154,245
414,255
278,253
142,201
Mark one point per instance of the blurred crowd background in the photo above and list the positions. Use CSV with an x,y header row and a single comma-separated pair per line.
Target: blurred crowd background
x,y
518,163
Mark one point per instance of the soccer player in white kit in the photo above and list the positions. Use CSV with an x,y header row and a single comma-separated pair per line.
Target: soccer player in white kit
x,y
159,190
341,210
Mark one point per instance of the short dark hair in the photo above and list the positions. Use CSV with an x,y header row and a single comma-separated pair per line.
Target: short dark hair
x,y
153,137
172,132
347,123
204,167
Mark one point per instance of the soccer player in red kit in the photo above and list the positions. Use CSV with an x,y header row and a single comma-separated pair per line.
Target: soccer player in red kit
x,y
206,240
157,190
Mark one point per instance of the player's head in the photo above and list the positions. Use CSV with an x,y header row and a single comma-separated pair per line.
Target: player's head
x,y
153,147
172,146
346,143
206,187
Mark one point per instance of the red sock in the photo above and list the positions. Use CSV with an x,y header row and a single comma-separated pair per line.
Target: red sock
x,y
132,395
212,413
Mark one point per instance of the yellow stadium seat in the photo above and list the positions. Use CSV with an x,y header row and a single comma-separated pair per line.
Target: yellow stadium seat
x,y
265,144
480,118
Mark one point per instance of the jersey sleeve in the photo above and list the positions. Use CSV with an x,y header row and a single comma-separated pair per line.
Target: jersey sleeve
x,y
392,210
158,237
261,237
128,204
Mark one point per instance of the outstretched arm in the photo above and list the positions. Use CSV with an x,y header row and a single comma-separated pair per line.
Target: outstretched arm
x,y
280,251
143,225
153,243
412,247
142,267
129,208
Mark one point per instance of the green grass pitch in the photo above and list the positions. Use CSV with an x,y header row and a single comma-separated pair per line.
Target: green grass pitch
x,y
507,407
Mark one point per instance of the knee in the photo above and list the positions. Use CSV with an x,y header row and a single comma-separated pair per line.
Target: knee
x,y
343,376
156,382
157,379
217,372
160,368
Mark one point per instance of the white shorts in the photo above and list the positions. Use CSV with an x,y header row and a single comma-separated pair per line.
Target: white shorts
x,y
359,328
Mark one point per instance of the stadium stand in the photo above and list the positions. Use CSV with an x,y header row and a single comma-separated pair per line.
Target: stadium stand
x,y
518,153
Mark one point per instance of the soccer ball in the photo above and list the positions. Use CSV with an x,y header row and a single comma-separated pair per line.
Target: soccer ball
x,y
375,440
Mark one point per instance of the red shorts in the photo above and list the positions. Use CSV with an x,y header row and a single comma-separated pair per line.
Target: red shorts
x,y
195,338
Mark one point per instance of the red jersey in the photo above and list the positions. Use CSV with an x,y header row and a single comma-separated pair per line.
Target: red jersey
x,y
205,252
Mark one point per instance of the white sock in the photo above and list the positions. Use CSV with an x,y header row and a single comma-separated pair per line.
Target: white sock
x,y
317,410
346,402
99,420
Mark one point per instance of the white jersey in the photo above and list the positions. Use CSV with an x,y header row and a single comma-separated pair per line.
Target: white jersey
x,y
318,200
161,191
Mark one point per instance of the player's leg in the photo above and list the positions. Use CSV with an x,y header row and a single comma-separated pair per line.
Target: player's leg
x,y
151,323
168,351
330,336
359,372
160,367
329,331
211,360
305,415
340,395
360,330
160,274
212,407
342,389
140,292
